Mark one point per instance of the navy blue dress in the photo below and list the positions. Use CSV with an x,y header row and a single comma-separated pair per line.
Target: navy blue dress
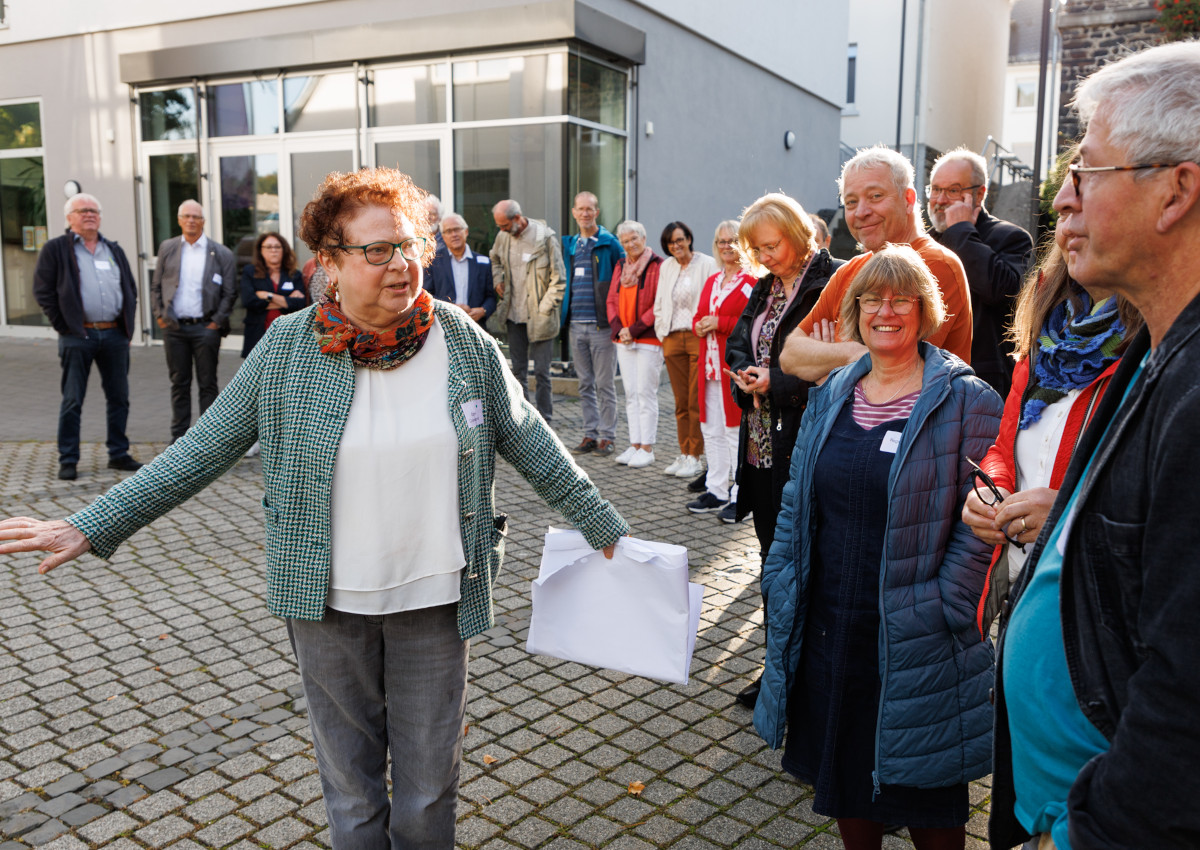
x,y
834,704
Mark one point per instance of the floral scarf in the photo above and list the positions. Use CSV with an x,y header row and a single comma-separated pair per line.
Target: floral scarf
x,y
1072,350
631,273
335,332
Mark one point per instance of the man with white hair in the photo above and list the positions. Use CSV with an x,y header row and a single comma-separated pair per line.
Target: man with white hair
x,y
996,255
85,287
529,278
433,209
459,275
1097,694
877,191
191,295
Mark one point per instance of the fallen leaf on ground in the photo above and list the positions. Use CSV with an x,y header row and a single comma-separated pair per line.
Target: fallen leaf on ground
x,y
490,759
636,788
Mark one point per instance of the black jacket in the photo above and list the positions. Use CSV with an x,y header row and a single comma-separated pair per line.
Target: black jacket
x,y
996,256
56,287
789,394
1130,602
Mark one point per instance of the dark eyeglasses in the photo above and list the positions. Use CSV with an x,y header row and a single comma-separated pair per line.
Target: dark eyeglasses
x,y
990,495
1076,169
381,253
951,192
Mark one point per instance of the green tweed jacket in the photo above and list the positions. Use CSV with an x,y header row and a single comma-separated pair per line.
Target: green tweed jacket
x,y
295,400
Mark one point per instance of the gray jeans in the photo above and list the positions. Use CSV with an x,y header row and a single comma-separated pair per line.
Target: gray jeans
x,y
595,359
377,683
521,349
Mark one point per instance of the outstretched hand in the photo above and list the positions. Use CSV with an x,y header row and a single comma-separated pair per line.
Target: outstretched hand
x,y
59,537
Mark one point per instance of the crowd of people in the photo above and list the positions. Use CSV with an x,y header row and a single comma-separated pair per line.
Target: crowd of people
x,y
902,499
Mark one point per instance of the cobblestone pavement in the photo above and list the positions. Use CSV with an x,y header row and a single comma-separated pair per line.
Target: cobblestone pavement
x,y
153,702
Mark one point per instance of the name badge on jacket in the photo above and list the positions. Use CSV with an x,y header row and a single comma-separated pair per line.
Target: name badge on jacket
x,y
473,411
217,279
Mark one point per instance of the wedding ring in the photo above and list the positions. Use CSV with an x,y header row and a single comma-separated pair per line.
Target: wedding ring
x,y
1024,527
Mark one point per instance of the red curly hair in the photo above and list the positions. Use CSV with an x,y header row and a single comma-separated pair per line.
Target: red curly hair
x,y
341,195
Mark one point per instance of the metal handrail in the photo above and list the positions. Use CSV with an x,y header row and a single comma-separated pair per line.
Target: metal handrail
x,y
1002,160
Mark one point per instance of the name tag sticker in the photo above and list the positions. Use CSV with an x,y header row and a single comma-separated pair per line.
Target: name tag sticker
x,y
102,265
891,442
217,279
487,261
580,271
288,286
525,257
747,289
473,411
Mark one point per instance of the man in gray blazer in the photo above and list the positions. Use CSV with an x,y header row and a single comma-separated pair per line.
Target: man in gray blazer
x,y
192,294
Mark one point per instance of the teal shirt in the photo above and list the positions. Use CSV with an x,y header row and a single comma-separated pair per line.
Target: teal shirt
x,y
1051,738
294,399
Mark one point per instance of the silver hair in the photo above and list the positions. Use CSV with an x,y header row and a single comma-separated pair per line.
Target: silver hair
x,y
510,209
1150,103
979,167
902,170
81,196
452,216
729,225
179,211
631,226
437,202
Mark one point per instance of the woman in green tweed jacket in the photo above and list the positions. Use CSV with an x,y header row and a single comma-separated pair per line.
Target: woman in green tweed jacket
x,y
380,558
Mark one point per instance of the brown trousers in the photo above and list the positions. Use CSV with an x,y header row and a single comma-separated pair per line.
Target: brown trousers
x,y
681,351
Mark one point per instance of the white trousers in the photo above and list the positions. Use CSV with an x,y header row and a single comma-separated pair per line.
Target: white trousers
x,y
641,365
720,442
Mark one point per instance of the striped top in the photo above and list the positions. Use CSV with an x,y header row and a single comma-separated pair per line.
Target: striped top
x,y
868,416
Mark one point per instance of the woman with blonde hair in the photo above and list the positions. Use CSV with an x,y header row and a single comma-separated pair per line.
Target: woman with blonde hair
x,y
776,235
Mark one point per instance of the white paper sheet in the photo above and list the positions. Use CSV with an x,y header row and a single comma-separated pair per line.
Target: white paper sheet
x,y
636,613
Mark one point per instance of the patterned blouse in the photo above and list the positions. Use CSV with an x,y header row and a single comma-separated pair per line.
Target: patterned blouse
x,y
758,420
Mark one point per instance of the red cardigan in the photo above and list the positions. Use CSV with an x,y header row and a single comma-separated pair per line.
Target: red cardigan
x,y
643,328
1000,462
727,316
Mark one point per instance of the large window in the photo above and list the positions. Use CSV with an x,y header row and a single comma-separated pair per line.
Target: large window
x,y
537,125
22,209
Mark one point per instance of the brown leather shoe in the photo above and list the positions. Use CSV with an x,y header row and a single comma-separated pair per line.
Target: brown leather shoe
x,y
604,448
588,445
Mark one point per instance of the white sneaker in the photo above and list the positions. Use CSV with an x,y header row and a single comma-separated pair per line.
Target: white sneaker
x,y
641,458
690,467
627,455
674,465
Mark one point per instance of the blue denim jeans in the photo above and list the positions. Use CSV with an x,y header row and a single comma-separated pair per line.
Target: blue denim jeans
x,y
393,682
595,360
109,349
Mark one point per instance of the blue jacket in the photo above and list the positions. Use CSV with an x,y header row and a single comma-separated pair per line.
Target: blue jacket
x,y
605,254
439,280
935,719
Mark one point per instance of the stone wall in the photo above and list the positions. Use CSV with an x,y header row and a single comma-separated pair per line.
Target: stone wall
x,y
1094,33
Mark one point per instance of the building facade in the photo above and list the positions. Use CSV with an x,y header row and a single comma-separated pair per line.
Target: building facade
x,y
666,110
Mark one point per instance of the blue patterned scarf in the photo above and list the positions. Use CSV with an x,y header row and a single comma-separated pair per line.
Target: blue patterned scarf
x,y
1072,350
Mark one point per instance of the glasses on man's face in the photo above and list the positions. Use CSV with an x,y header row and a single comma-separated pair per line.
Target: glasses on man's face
x,y
871,304
381,253
953,193
1076,170
86,211
990,495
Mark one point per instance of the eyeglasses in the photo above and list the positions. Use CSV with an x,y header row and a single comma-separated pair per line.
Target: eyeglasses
x,y
192,217
901,305
1076,169
683,240
766,249
86,211
990,495
726,243
951,192
381,253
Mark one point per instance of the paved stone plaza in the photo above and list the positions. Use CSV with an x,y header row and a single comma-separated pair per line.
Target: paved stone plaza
x,y
153,702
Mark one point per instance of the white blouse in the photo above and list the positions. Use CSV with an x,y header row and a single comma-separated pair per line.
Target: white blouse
x,y
396,540
1036,451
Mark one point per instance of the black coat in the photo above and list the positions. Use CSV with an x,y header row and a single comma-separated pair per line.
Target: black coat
x,y
789,394
256,308
996,255
56,287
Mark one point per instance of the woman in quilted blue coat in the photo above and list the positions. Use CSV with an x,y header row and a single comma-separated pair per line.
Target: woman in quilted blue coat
x,y
871,581
380,413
